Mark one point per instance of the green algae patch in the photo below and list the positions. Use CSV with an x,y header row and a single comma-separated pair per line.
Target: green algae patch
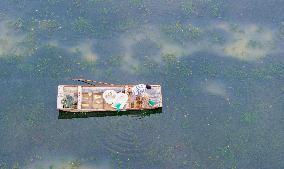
x,y
189,8
83,25
249,117
48,25
182,32
281,29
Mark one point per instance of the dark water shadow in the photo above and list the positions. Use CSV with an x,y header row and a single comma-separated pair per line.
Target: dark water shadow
x,y
135,113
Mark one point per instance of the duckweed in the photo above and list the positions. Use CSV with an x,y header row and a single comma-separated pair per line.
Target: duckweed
x,y
182,33
83,25
136,3
189,8
281,29
249,117
253,87
48,25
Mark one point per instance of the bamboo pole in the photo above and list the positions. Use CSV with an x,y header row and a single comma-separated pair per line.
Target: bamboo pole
x,y
91,82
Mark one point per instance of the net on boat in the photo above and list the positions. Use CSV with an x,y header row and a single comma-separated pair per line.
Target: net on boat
x,y
109,96
68,101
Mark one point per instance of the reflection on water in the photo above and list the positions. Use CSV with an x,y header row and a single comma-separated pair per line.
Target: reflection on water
x,y
85,50
249,43
216,88
11,41
221,74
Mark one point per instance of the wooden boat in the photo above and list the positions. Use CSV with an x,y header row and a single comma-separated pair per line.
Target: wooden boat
x,y
89,98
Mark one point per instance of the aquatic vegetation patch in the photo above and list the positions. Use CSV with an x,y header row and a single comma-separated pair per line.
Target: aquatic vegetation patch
x,y
263,72
48,25
53,2
9,65
65,163
249,117
97,2
16,166
45,66
215,7
83,25
17,23
281,29
209,8
182,33
175,72
189,8
127,24
228,157
35,116
114,61
209,69
139,52
169,57
136,3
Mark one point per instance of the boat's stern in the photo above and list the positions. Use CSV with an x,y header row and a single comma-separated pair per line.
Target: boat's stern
x,y
67,97
60,96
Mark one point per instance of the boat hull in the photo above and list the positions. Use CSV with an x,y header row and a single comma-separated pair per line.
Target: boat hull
x,y
132,113
87,98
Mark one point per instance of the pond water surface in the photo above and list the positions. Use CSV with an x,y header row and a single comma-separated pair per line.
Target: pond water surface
x,y
220,64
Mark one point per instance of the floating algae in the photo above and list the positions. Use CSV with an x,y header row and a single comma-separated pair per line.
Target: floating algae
x,y
83,25
249,117
182,32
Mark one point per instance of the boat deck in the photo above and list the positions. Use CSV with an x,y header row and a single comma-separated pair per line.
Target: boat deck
x,y
90,98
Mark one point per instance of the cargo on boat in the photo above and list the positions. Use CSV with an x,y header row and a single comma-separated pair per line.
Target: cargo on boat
x,y
108,97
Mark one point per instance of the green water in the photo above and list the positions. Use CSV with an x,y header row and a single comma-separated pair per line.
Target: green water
x,y
220,64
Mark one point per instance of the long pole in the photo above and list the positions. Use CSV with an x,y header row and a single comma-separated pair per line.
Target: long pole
x,y
90,82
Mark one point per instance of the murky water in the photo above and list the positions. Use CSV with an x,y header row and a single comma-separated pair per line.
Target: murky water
x,y
220,63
